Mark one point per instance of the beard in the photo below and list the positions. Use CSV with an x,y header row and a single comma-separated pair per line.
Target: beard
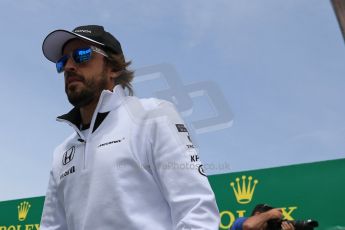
x,y
90,91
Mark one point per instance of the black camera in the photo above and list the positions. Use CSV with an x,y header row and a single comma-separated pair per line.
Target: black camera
x,y
298,224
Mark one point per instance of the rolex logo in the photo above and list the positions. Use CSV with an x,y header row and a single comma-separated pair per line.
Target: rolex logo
x,y
245,192
23,209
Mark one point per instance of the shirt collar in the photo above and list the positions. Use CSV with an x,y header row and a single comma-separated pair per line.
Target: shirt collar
x,y
108,101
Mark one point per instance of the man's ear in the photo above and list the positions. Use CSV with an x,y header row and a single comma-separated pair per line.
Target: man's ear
x,y
112,74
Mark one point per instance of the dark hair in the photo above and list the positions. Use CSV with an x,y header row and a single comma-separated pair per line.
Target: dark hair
x,y
117,63
261,208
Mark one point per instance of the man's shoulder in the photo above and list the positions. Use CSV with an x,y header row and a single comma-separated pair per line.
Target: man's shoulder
x,y
153,103
148,108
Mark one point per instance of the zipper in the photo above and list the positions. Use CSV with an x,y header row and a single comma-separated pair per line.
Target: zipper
x,y
85,154
83,142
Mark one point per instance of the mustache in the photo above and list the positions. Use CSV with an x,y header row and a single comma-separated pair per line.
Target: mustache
x,y
70,74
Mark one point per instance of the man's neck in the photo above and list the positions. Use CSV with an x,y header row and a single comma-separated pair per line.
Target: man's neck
x,y
87,111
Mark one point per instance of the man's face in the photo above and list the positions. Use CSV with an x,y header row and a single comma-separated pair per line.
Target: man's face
x,y
84,82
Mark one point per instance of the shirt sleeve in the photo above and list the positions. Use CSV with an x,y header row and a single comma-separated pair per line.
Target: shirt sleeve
x,y
179,172
238,224
53,216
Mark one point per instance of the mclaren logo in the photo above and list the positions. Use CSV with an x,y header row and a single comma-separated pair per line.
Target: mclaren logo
x,y
82,31
68,155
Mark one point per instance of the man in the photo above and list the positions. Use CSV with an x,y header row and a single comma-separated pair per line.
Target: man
x,y
130,163
261,215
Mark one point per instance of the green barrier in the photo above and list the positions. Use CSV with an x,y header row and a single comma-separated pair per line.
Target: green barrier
x,y
306,191
23,214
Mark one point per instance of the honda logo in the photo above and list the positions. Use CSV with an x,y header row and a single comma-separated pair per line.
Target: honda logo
x,y
68,156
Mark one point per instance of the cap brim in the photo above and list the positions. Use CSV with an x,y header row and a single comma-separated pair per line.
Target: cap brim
x,y
54,42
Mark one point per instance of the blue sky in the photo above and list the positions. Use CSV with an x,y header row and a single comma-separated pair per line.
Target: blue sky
x,y
269,73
